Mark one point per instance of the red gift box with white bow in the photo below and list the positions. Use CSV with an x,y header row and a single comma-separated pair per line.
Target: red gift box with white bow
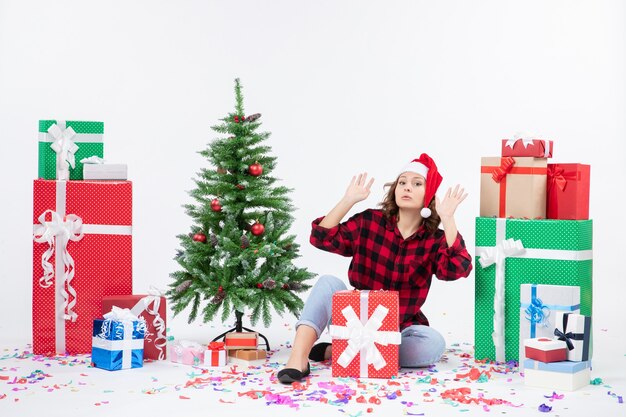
x,y
150,307
82,252
537,148
365,332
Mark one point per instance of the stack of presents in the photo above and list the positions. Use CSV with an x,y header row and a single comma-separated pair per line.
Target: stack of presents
x,y
534,265
82,257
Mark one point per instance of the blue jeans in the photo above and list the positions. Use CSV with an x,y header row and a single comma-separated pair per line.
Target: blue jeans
x,y
421,345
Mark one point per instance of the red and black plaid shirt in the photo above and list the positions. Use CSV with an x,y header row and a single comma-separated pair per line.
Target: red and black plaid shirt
x,y
383,259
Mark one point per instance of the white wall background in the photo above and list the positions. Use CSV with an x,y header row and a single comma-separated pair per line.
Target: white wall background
x,y
343,87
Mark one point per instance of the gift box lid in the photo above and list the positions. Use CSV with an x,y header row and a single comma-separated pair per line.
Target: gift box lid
x,y
115,330
79,126
545,344
566,367
105,171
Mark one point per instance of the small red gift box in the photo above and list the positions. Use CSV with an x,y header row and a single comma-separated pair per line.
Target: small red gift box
x,y
152,309
568,191
365,332
215,355
241,340
82,252
537,148
545,350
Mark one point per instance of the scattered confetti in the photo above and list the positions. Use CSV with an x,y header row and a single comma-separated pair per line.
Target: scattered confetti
x,y
545,408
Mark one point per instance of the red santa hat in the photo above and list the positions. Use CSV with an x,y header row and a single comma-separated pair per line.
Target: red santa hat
x,y
426,167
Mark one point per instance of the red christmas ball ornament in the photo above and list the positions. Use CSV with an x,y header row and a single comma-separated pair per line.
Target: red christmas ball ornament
x,y
236,118
215,205
257,229
259,285
199,237
220,289
255,169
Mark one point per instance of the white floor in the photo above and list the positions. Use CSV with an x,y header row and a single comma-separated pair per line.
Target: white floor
x,y
70,387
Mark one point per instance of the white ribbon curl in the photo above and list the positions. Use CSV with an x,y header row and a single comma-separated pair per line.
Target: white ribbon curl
x,y
154,299
63,230
497,255
362,338
65,148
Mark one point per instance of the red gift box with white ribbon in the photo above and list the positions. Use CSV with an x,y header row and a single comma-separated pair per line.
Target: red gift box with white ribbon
x,y
537,148
82,252
150,307
366,334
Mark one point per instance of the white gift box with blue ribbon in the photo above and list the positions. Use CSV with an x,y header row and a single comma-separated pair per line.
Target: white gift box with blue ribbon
x,y
118,340
539,305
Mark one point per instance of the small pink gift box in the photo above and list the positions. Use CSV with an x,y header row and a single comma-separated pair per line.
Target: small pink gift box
x,y
186,352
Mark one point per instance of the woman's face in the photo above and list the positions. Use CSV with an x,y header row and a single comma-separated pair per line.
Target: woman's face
x,y
410,191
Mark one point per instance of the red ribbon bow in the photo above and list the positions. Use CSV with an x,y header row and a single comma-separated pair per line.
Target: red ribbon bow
x,y
505,167
216,346
555,177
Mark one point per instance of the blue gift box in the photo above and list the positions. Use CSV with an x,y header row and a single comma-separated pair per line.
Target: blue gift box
x,y
565,367
117,344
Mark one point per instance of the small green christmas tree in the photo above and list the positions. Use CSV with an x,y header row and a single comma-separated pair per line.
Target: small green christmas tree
x,y
239,254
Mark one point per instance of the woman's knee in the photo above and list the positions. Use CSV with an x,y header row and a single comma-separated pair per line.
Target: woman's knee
x,y
421,346
332,282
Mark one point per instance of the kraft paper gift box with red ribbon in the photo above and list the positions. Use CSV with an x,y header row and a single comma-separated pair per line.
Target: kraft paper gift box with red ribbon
x,y
82,252
575,330
568,191
512,252
241,340
215,355
365,332
151,308
117,341
539,305
64,144
248,354
536,148
546,350
513,187
186,352
565,375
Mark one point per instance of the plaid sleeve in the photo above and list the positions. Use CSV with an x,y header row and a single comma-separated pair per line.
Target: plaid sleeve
x,y
339,239
453,262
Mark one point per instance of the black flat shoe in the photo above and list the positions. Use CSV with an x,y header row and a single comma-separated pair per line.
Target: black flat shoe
x,y
318,351
289,375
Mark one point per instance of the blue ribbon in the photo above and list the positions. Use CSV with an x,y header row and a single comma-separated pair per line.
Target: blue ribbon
x,y
537,312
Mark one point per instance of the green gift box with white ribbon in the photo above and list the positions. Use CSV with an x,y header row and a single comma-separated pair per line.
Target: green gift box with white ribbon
x,y
63,144
512,252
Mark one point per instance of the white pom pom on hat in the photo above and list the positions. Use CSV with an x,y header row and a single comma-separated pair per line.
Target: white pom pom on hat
x,y
426,167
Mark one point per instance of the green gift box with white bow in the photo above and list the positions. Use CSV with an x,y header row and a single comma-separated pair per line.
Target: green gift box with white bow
x,y
71,141
512,252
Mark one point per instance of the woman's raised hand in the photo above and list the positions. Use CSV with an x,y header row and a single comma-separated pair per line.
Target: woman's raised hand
x,y
452,199
358,190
